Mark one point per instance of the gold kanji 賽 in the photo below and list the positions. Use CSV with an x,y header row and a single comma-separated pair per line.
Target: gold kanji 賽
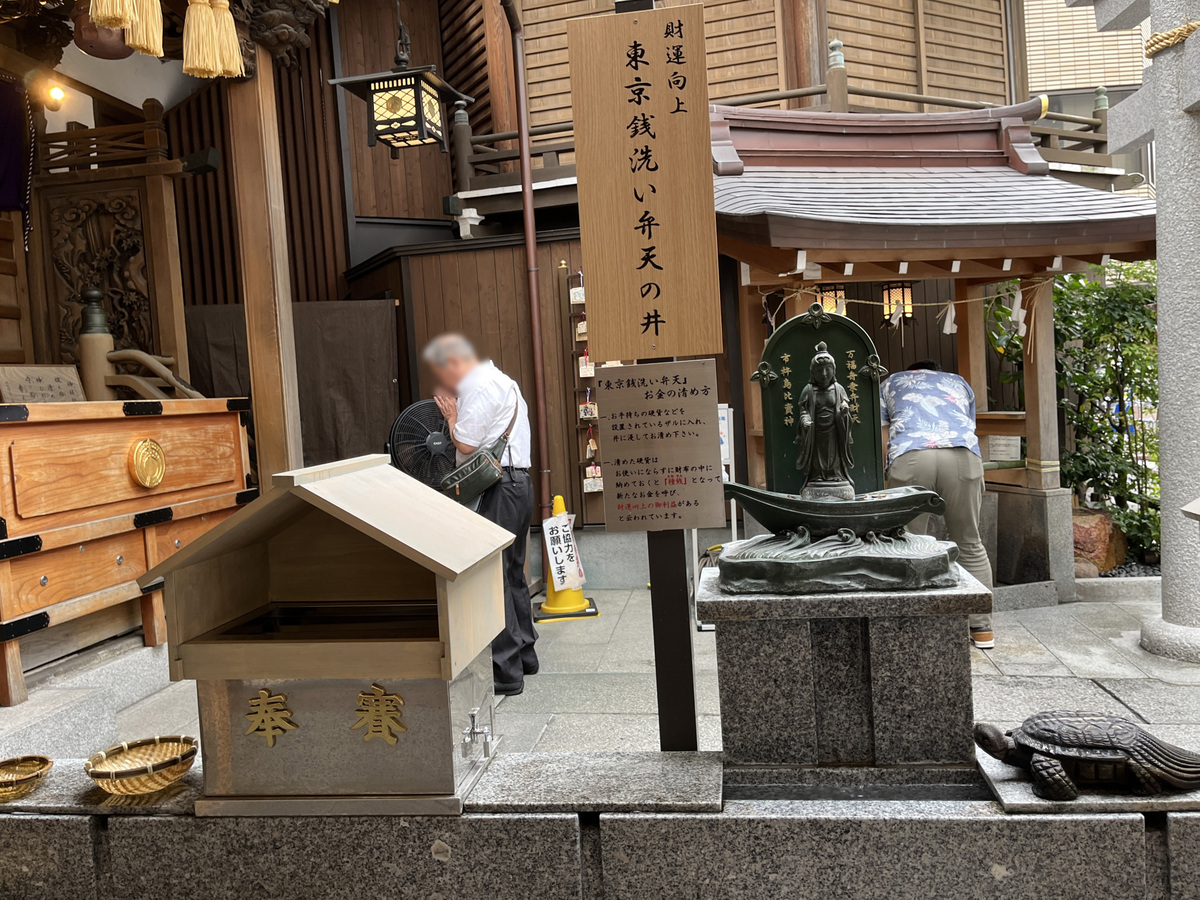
x,y
270,716
379,712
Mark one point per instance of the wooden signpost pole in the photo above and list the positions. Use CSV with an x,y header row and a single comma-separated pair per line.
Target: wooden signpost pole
x,y
671,617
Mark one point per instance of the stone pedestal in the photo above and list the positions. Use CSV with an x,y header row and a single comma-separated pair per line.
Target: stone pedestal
x,y
1035,537
870,679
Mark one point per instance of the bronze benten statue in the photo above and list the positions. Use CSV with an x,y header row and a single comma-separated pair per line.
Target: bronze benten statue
x,y
823,433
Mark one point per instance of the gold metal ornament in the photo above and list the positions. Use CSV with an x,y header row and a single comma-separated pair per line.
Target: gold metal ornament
x,y
270,716
380,713
147,463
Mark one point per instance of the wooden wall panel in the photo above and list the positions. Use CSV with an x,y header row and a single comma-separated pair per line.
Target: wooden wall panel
x,y
203,203
312,166
16,335
946,48
477,49
880,38
411,187
742,37
920,337
966,47
309,151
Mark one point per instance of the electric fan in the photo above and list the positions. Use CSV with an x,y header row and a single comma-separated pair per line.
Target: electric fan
x,y
419,444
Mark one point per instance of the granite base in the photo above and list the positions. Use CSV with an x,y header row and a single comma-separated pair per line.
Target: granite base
x,y
850,679
898,850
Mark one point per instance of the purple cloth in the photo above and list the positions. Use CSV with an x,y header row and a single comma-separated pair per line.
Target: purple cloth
x,y
14,154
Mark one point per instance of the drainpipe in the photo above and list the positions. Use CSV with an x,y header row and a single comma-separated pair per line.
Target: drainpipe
x,y
531,266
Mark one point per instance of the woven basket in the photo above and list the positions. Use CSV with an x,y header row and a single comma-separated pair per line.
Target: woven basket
x,y
20,775
142,767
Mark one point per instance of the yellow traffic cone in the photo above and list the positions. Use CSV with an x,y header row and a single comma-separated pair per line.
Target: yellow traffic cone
x,y
566,604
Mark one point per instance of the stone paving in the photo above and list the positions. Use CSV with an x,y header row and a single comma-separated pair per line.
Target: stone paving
x,y
596,690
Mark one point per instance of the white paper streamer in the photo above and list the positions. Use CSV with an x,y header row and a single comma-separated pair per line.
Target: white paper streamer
x,y
949,326
1018,312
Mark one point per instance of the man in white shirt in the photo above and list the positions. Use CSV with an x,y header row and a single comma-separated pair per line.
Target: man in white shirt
x,y
478,401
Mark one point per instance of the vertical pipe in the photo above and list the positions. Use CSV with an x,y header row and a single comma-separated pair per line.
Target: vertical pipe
x,y
531,266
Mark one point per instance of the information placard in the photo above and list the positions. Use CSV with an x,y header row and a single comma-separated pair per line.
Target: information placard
x,y
659,443
643,154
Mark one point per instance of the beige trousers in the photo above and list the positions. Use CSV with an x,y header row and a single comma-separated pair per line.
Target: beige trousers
x,y
957,475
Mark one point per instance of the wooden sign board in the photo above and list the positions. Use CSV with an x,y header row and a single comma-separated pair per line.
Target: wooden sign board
x,y
40,384
658,440
643,156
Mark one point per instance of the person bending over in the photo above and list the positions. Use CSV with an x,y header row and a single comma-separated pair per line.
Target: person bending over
x,y
929,419
477,400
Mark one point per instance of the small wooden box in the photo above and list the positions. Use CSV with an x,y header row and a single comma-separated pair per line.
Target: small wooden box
x,y
346,581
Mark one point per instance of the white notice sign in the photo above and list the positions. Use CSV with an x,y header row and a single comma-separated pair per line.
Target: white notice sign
x,y
565,567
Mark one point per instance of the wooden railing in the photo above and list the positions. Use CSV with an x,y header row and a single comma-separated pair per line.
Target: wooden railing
x,y
86,148
481,162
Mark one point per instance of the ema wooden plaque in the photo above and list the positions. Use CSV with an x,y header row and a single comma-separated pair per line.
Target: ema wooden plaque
x,y
661,448
644,160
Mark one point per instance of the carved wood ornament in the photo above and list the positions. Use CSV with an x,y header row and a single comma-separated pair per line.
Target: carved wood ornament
x,y
98,239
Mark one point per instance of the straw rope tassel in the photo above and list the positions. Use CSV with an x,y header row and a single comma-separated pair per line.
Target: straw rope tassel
x,y
145,32
200,55
112,13
229,49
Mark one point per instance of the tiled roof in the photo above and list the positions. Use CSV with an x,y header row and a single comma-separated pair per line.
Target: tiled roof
x,y
942,196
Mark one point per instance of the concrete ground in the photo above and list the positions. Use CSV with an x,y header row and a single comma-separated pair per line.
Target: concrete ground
x,y
596,687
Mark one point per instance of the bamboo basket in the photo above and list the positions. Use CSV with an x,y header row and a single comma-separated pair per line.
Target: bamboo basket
x,y
21,774
142,767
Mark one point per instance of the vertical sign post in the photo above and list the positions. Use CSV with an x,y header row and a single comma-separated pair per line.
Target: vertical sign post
x,y
648,228
658,436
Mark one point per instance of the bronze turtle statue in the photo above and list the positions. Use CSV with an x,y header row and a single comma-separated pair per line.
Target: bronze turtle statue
x,y
1061,750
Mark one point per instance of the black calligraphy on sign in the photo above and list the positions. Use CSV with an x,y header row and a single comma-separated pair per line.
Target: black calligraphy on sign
x,y
661,447
643,162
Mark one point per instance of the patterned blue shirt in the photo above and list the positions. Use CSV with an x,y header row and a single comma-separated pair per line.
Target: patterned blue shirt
x,y
927,410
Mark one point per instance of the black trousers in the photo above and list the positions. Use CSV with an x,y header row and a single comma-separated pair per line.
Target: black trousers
x,y
509,503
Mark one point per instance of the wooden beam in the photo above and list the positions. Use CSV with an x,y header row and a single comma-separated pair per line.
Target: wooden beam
x,y
769,259
1041,387
166,275
257,177
972,348
835,257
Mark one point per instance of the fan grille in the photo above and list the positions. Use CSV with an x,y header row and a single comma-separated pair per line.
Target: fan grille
x,y
420,443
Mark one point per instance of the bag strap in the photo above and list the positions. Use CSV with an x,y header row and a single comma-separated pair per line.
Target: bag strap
x,y
501,444
512,423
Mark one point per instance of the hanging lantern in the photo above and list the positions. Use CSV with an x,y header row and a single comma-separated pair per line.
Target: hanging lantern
x,y
832,297
404,106
897,302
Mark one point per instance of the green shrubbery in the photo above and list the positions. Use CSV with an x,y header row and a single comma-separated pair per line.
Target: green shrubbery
x,y
1108,369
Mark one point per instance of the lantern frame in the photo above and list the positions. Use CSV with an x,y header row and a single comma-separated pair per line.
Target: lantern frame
x,y
891,301
416,120
829,296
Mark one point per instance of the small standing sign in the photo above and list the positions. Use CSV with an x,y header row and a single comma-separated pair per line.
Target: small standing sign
x,y
644,157
658,439
565,568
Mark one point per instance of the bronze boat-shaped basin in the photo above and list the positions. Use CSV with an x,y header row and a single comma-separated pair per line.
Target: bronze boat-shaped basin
x,y
879,511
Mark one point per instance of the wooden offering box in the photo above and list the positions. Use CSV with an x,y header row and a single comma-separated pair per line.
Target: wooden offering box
x,y
339,630
91,496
